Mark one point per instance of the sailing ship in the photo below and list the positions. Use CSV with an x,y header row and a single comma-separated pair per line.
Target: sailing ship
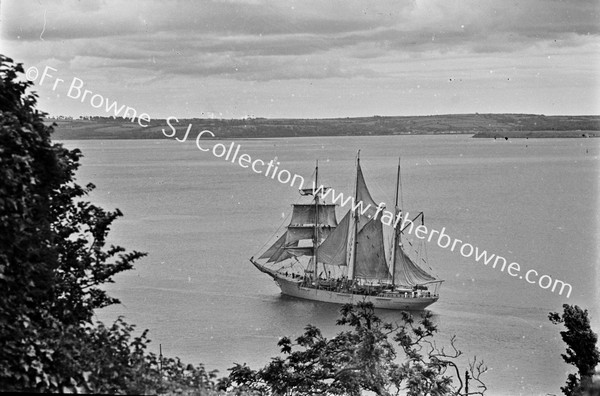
x,y
316,258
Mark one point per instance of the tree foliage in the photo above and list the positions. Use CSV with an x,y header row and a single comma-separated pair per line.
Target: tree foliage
x,y
54,259
361,359
581,348
53,255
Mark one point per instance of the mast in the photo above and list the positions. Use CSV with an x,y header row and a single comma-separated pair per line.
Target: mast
x,y
355,242
316,233
396,231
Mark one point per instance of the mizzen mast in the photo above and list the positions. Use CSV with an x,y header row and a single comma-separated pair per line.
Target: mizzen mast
x,y
397,231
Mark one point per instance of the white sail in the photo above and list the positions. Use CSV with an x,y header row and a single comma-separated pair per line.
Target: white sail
x,y
296,251
333,250
408,273
368,207
306,214
276,252
370,253
299,233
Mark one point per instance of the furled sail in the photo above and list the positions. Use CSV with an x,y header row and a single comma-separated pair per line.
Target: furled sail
x,y
370,253
314,190
306,214
333,250
407,272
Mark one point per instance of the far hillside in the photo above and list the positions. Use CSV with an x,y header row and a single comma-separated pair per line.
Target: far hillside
x,y
479,125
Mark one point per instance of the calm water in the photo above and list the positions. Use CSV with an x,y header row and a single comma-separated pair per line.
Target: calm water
x,y
200,218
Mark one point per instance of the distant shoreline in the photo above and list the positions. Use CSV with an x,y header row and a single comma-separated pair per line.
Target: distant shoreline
x,y
499,126
537,134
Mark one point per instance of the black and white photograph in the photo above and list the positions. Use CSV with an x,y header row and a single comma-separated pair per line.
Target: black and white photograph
x,y
282,197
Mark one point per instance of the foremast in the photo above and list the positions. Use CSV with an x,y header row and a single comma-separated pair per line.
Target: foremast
x,y
315,258
310,223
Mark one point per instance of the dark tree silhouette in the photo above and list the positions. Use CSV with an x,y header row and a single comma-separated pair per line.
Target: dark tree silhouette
x,y
53,254
361,359
581,348
53,262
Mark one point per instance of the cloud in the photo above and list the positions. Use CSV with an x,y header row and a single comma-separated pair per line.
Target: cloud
x,y
91,19
242,41
87,19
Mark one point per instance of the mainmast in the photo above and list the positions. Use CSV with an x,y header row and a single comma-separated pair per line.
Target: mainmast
x,y
355,241
316,233
396,231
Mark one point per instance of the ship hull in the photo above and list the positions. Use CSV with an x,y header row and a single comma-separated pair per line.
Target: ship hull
x,y
295,289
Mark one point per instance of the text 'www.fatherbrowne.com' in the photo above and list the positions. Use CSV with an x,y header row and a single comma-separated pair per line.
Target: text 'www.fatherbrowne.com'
x,y
444,241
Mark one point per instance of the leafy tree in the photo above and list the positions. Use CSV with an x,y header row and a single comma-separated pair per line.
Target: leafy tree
x,y
361,359
53,254
53,260
581,348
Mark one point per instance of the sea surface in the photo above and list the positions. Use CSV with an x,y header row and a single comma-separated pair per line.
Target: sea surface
x,y
199,217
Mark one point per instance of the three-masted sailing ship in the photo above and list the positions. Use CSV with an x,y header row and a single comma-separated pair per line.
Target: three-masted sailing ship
x,y
319,259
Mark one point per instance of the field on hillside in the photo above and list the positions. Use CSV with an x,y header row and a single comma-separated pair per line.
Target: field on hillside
x,y
481,125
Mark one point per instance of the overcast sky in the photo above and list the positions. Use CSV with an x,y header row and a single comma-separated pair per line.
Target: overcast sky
x,y
313,59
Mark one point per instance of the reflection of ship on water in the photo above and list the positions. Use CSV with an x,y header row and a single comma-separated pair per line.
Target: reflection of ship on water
x,y
317,258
